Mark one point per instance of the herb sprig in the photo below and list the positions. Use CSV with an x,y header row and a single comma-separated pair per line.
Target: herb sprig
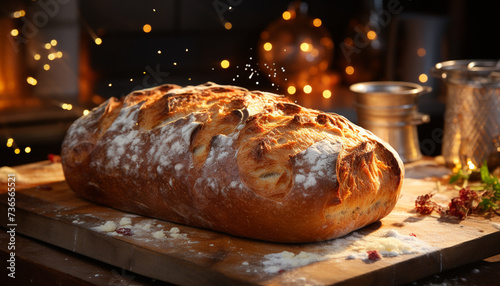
x,y
482,199
491,195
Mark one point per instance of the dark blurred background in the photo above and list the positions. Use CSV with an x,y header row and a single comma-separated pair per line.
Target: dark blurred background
x,y
60,58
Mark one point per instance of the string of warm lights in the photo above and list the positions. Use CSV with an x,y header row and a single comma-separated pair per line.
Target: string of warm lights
x,y
49,52
12,144
45,54
301,45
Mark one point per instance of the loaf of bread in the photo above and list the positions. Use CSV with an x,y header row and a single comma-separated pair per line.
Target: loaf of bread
x,y
247,163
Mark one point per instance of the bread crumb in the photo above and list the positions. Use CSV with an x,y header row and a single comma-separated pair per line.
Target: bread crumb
x,y
174,230
109,226
159,234
125,221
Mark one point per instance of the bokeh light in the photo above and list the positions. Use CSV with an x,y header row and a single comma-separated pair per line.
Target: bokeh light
x,y
146,28
287,15
349,70
268,46
423,78
307,89
327,93
224,64
317,22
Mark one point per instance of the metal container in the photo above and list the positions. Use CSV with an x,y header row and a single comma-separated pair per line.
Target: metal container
x,y
389,110
472,116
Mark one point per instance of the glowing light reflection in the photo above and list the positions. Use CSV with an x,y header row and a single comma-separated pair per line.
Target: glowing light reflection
x,y
268,46
423,77
349,70
317,22
287,15
307,89
146,28
327,93
224,64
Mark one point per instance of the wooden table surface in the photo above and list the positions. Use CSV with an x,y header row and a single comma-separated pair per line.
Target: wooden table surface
x,y
40,261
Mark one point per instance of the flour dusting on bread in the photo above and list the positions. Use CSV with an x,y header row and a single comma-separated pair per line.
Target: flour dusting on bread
x,y
248,163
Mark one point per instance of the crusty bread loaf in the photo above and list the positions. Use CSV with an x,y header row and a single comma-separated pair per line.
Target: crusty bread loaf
x,y
247,163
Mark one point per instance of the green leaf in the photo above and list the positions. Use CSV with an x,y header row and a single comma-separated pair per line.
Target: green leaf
x,y
485,175
496,187
476,188
454,178
459,175
487,205
496,195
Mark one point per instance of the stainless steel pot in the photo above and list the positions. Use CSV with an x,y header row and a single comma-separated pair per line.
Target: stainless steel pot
x,y
389,109
472,116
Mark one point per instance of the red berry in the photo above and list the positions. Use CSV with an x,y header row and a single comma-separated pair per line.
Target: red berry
x,y
374,255
125,231
54,158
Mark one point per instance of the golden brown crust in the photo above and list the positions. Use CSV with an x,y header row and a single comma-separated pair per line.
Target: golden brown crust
x,y
247,163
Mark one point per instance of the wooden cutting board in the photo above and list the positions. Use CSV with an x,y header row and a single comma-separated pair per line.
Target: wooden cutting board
x,y
202,257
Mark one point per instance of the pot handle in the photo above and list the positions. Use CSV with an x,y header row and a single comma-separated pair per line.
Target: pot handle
x,y
427,89
420,118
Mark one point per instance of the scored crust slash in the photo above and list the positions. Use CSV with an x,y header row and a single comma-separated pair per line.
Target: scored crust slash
x,y
247,163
